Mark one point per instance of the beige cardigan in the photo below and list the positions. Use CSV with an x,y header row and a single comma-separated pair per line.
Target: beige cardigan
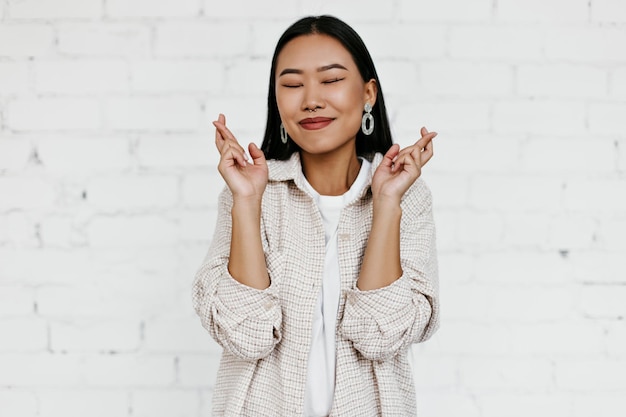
x,y
266,334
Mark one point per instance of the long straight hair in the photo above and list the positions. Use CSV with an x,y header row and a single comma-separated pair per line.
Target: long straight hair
x,y
366,146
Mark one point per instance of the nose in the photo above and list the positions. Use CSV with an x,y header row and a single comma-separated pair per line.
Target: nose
x,y
312,99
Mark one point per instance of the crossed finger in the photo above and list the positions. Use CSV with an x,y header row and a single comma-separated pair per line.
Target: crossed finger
x,y
226,143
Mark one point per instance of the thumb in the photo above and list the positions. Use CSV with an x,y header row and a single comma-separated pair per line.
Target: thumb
x,y
257,155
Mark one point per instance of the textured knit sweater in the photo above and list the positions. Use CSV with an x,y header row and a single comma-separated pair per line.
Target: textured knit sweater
x,y
266,334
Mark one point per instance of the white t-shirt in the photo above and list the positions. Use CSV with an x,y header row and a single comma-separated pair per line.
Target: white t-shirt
x,y
320,384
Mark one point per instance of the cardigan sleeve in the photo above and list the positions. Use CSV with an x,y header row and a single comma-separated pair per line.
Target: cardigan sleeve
x,y
245,321
382,322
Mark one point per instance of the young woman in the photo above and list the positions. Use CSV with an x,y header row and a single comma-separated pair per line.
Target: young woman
x,y
322,271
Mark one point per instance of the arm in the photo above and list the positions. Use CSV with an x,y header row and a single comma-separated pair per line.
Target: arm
x,y
232,291
394,302
383,321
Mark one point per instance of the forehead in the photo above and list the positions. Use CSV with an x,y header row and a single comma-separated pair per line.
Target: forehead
x,y
309,52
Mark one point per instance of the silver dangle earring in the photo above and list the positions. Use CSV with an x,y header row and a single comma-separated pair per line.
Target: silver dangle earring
x,y
283,134
367,119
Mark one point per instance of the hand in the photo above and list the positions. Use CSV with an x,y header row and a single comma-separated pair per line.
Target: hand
x,y
400,168
245,179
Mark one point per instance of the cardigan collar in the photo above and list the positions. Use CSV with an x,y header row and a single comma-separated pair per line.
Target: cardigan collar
x,y
291,170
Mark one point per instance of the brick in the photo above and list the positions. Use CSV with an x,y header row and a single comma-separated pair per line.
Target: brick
x,y
26,114
247,78
26,266
539,116
599,404
167,402
462,153
184,334
455,267
591,375
152,8
618,83
131,192
19,230
198,225
14,153
472,79
265,35
59,232
616,339
573,231
60,9
104,39
433,372
480,229
396,78
34,40
447,10
198,370
14,78
507,304
557,338
605,195
586,44
152,113
612,11
24,334
40,370
245,117
492,375
474,339
26,193
16,300
85,335
177,76
245,10
177,151
80,402
447,223
571,155
202,39
607,118
90,154
79,77
604,301
505,43
350,12
518,193
612,232
449,190
129,370
438,404
561,80
202,190
523,404
386,41
436,116
147,230
523,267
526,229
550,11
18,403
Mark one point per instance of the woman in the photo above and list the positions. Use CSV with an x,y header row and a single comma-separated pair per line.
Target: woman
x,y
322,271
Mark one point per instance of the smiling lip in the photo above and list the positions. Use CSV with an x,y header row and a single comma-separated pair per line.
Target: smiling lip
x,y
315,123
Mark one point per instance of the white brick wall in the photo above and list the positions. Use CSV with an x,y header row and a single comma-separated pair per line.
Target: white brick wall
x,y
108,192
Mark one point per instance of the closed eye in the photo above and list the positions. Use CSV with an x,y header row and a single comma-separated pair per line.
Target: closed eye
x,y
334,80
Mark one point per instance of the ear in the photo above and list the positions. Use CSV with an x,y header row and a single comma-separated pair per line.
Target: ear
x,y
371,92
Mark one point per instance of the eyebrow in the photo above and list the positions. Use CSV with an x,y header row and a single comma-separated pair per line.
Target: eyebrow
x,y
320,69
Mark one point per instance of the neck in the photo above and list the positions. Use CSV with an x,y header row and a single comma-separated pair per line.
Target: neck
x,y
331,174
